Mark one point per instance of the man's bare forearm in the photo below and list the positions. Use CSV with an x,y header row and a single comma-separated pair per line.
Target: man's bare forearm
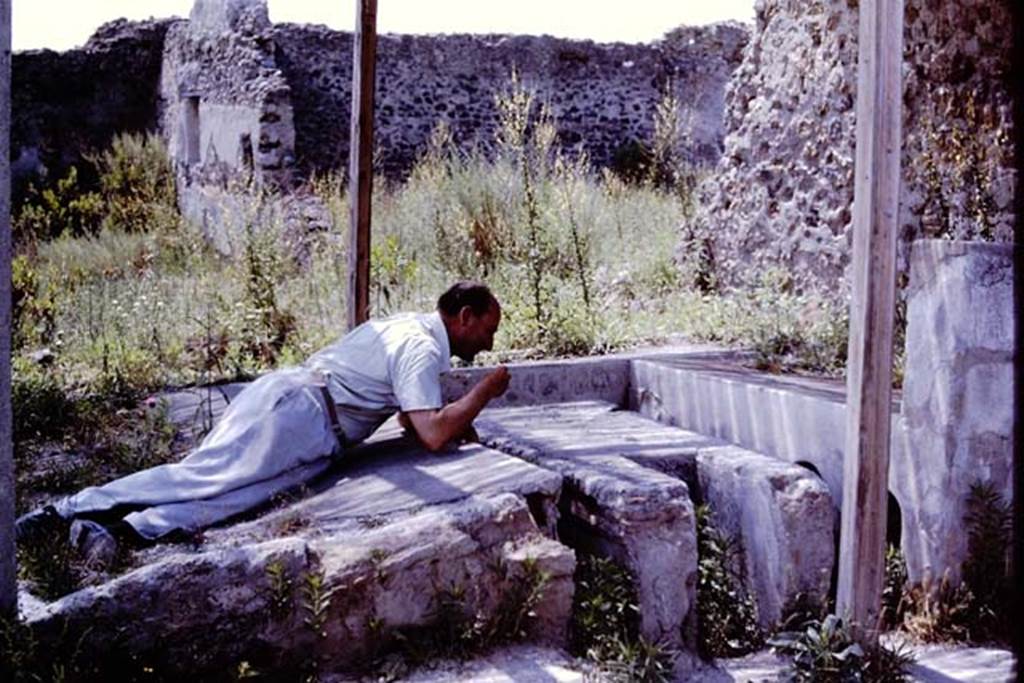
x,y
435,428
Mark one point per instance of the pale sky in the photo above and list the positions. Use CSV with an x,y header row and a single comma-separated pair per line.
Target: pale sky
x,y
62,24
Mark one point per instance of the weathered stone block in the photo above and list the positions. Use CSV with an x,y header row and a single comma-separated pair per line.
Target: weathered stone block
x,y
385,534
612,506
782,515
958,395
784,520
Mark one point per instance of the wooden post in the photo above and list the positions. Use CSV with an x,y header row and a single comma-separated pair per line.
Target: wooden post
x,y
360,160
872,310
8,580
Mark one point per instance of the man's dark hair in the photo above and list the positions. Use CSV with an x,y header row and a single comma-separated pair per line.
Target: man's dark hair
x,y
476,295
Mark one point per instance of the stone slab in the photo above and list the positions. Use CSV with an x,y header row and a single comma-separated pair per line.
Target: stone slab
x,y
798,420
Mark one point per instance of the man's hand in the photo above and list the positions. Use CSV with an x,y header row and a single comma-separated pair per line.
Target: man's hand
x,y
496,382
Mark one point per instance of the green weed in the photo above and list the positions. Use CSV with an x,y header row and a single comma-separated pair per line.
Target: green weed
x,y
726,615
893,605
824,651
976,609
605,623
280,589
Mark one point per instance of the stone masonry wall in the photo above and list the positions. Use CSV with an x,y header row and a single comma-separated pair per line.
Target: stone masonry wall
x,y
221,65
293,84
66,104
783,189
601,95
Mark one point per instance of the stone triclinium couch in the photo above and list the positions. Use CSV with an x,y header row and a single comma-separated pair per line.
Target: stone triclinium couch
x,y
605,456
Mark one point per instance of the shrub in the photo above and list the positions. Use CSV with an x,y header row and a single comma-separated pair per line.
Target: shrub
x,y
33,306
137,183
63,209
824,651
42,407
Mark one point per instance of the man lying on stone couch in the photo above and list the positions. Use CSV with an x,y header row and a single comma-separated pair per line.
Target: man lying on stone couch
x,y
289,425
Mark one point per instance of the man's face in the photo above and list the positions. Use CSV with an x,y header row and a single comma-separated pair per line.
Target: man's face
x,y
476,333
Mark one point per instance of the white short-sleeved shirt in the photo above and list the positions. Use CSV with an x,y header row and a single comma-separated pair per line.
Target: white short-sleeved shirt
x,y
384,366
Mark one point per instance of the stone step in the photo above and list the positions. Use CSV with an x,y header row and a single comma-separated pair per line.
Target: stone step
x,y
624,477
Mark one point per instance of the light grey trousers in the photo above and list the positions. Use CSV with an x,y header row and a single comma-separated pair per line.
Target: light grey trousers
x,y
274,436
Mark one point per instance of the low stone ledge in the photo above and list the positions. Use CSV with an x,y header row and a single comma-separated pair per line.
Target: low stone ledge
x,y
542,383
782,515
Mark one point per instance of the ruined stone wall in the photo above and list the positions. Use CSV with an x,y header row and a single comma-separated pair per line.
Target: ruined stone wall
x,y
66,104
601,95
267,96
783,190
226,106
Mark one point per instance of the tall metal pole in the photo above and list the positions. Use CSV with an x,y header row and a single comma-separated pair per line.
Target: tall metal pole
x,y
8,580
872,312
364,63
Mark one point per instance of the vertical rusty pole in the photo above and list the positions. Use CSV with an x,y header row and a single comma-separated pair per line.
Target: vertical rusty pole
x,y
8,581
872,312
360,163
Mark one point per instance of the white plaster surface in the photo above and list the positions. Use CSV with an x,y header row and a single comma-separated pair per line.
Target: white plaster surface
x,y
958,398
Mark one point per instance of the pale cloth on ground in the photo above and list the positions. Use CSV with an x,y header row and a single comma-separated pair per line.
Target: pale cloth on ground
x,y
276,434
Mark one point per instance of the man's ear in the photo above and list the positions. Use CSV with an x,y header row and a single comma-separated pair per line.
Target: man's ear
x,y
465,315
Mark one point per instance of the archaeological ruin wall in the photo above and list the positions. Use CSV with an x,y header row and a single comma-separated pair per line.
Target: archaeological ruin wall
x,y
238,98
226,106
783,189
64,105
602,96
